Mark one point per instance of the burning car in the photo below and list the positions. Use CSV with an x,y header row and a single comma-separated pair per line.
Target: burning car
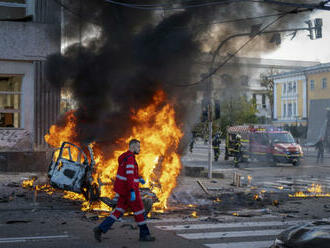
x,y
71,169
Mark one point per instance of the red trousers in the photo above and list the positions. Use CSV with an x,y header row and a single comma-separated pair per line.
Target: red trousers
x,y
136,206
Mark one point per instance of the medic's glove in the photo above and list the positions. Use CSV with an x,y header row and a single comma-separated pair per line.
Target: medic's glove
x,y
142,180
133,196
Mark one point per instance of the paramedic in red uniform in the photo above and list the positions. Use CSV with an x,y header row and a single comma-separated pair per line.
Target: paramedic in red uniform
x,y
127,186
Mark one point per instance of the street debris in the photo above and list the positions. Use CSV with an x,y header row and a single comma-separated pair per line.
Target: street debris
x,y
315,234
276,203
203,187
17,221
13,185
131,226
194,214
7,198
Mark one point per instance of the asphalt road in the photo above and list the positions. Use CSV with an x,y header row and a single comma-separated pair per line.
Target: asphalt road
x,y
56,222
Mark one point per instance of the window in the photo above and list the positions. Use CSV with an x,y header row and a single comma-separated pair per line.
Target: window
x,y
290,110
284,110
12,9
10,101
284,88
324,83
312,84
294,109
294,87
290,88
254,98
263,100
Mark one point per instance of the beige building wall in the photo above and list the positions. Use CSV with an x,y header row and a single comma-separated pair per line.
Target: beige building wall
x,y
319,92
300,85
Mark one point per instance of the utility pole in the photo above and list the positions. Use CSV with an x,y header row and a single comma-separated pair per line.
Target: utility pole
x,y
210,119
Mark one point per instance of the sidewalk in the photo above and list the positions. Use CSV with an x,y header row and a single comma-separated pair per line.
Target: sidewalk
x,y
312,152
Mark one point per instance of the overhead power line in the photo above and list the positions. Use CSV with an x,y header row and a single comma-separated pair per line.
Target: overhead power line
x,y
323,5
240,19
174,7
203,80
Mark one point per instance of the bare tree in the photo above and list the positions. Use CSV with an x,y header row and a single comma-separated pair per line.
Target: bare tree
x,y
267,82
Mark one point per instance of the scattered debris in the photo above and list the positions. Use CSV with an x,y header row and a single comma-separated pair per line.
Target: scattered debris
x,y
288,211
13,185
17,221
7,198
203,187
276,203
194,214
133,227
91,216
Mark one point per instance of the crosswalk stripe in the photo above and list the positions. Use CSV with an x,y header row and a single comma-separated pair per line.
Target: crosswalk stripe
x,y
24,239
254,244
234,234
227,225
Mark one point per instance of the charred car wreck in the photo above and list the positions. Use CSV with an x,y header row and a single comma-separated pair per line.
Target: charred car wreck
x,y
71,169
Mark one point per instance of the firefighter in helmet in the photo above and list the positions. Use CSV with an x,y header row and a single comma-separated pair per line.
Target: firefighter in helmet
x,y
237,150
216,146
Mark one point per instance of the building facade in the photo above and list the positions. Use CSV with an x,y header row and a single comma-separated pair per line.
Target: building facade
x,y
242,74
30,30
297,91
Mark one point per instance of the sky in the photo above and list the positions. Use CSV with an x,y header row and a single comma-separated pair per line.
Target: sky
x,y
302,47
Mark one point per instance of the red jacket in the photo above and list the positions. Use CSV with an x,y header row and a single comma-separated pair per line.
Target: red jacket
x,y
127,174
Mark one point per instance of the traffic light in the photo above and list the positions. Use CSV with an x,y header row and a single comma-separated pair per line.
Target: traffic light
x,y
318,28
204,110
310,29
276,38
217,109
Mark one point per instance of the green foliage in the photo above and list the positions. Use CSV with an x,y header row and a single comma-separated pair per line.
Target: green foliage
x,y
237,111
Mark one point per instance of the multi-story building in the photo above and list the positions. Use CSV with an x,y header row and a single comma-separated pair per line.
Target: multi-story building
x,y
243,75
30,31
303,97
296,91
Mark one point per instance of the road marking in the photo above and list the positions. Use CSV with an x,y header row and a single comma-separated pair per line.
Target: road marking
x,y
254,244
234,234
24,239
228,225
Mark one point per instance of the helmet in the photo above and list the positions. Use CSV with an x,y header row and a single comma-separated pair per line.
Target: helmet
x,y
238,136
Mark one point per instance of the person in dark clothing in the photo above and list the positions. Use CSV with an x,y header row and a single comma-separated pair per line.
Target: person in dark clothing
x,y
216,146
191,145
320,150
237,150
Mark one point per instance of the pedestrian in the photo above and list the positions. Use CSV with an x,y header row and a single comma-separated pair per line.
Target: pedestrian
x,y
216,146
191,145
320,150
127,187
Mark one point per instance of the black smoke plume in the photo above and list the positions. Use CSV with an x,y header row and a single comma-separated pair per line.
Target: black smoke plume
x,y
136,53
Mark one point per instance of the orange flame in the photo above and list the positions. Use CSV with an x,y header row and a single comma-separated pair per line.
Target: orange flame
x,y
159,163
28,183
314,191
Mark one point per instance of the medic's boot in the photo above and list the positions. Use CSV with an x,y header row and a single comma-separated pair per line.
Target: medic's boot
x,y
97,234
103,228
145,234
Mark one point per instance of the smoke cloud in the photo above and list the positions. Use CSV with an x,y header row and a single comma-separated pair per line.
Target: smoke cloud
x,y
137,52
